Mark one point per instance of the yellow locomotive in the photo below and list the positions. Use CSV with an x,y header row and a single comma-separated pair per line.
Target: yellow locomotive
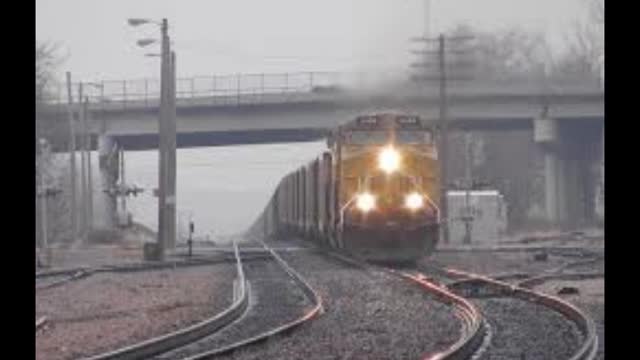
x,y
374,194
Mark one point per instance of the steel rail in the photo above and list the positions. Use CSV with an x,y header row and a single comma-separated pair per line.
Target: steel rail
x,y
170,341
473,331
540,277
145,266
309,292
584,323
535,281
74,276
473,325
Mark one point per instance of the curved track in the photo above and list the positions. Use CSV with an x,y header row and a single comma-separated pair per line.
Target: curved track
x,y
187,335
585,351
243,330
473,329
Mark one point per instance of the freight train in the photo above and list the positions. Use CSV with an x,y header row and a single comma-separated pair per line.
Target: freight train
x,y
373,194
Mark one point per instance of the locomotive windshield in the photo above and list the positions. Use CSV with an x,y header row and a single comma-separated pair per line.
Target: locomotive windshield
x,y
380,137
413,137
366,137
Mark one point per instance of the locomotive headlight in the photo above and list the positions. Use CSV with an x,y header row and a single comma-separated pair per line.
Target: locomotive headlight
x,y
414,201
365,202
389,160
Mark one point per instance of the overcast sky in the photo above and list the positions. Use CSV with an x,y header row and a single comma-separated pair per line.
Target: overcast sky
x,y
251,36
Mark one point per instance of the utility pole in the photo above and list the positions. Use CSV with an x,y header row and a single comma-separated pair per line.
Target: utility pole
x,y
123,184
162,134
171,157
43,201
444,143
83,183
90,177
72,161
442,78
85,166
164,127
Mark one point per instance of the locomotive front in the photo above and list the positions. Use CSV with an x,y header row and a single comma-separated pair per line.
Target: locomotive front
x,y
389,186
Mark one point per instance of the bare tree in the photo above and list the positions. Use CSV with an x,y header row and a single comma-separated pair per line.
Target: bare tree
x,y
48,60
512,53
52,170
584,56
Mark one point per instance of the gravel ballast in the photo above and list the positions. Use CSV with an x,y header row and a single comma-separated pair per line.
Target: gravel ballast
x,y
108,310
525,330
590,299
368,315
275,300
492,263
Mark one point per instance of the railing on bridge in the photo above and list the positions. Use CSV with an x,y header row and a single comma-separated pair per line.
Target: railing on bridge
x,y
243,89
205,90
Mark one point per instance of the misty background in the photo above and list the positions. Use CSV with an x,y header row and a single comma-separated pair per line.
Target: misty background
x,y
225,188
250,36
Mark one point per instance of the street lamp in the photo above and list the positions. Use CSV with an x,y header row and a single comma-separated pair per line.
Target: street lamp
x,y
146,42
166,132
138,21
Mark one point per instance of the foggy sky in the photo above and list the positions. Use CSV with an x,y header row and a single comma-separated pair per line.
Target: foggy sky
x,y
252,36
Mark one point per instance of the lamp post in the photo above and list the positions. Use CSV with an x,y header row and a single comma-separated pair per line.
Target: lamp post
x,y
72,161
163,127
171,157
82,111
43,202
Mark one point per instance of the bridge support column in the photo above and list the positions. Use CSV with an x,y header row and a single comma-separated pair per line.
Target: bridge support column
x,y
105,146
599,192
108,161
554,208
573,171
546,134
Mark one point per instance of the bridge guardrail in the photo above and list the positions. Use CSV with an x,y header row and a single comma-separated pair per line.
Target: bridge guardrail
x,y
241,89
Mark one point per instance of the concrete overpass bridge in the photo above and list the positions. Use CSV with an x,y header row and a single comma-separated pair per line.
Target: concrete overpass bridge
x,y
260,108
267,108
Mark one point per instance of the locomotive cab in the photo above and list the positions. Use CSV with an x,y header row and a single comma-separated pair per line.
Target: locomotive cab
x,y
389,185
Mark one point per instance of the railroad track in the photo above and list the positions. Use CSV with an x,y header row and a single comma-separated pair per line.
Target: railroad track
x,y
208,338
527,319
486,339
54,278
478,336
167,342
48,282
474,333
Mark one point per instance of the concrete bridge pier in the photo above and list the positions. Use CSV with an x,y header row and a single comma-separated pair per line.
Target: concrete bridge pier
x,y
545,133
572,171
105,146
599,170
555,206
108,164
